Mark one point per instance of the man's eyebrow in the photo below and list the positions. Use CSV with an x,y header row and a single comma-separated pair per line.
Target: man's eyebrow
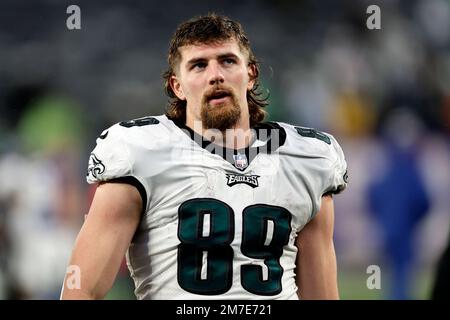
x,y
220,57
228,55
195,60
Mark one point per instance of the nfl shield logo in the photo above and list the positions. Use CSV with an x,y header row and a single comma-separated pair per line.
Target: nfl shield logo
x,y
240,161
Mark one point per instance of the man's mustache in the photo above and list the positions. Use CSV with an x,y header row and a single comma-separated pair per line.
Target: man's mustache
x,y
217,92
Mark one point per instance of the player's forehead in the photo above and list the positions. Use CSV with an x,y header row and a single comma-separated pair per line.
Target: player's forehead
x,y
211,50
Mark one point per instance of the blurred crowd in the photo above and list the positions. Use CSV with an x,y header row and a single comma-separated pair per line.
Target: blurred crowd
x,y
385,95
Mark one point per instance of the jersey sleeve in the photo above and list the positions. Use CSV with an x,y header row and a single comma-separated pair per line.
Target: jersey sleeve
x,y
332,176
114,158
110,159
338,175
318,162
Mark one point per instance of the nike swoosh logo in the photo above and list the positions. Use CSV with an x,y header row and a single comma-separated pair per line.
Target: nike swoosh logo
x,y
103,136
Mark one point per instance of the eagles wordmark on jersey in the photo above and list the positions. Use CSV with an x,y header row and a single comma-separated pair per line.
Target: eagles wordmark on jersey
x,y
218,223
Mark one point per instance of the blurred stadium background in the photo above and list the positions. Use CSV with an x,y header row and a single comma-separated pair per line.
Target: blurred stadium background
x,y
385,94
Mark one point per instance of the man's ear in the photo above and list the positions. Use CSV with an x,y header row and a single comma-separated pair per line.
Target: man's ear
x,y
252,75
176,87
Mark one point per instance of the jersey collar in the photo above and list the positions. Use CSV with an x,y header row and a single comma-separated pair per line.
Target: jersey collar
x,y
269,137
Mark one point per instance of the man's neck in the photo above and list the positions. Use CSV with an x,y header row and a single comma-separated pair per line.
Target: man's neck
x,y
238,137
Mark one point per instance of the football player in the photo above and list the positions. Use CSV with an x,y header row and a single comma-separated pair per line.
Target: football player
x,y
208,201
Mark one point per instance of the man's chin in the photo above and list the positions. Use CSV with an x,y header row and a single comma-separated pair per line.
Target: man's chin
x,y
221,116
221,105
219,109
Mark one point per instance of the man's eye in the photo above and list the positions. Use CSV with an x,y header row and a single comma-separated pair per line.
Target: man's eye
x,y
199,65
229,61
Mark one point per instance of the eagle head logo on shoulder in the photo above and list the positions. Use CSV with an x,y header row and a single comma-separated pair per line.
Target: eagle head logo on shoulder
x,y
96,167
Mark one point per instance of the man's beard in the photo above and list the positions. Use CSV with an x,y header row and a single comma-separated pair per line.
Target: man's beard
x,y
221,116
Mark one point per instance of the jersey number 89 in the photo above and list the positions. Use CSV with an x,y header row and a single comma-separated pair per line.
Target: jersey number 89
x,y
205,255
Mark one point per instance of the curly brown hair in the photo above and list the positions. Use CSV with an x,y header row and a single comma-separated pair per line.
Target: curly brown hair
x,y
211,28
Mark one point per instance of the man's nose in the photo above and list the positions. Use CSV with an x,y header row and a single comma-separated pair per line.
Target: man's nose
x,y
216,75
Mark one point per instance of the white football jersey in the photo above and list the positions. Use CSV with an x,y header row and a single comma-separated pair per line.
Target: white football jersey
x,y
218,223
